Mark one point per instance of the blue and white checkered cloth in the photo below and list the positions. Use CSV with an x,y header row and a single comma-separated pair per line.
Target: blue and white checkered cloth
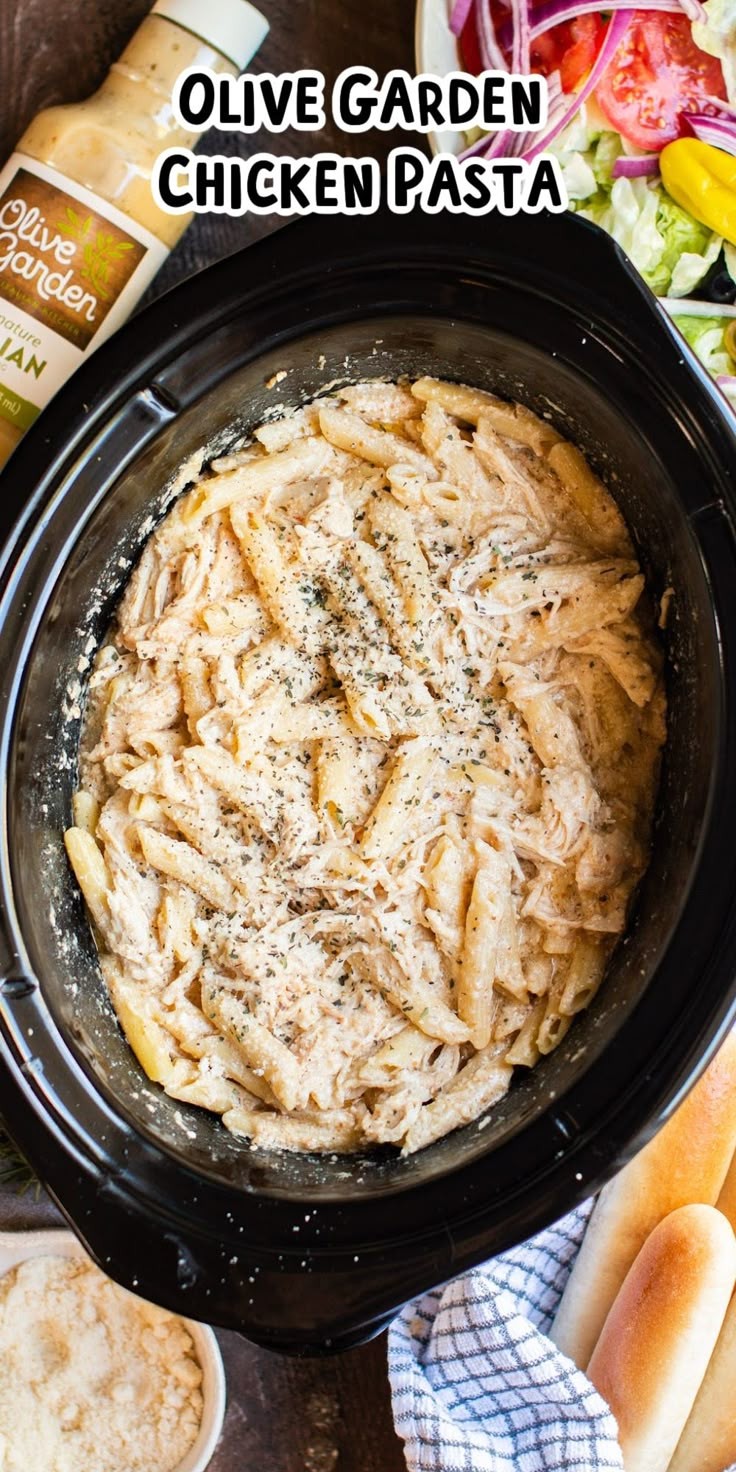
x,y
476,1384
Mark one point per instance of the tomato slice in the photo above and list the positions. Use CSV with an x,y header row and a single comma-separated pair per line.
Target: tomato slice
x,y
584,43
569,48
547,51
656,76
470,48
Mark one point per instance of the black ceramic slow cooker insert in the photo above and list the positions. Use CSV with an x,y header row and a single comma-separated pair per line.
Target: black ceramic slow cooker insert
x,y
301,1252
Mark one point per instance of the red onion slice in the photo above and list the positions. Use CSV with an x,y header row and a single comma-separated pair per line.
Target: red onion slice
x,y
693,9
460,12
635,168
720,109
555,11
491,54
499,144
719,132
688,306
480,146
617,28
520,39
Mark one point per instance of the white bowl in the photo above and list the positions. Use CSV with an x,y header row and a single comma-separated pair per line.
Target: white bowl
x,y
436,51
16,1247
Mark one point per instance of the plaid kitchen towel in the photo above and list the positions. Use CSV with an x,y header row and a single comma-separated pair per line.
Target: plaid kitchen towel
x,y
476,1384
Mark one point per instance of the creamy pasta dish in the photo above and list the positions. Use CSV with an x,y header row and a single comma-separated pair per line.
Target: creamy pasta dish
x,y
369,767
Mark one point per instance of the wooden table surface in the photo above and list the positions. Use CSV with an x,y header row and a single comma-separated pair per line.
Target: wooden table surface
x,y
283,1415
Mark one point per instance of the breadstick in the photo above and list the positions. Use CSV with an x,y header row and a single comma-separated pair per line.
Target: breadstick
x,y
653,1353
727,1200
686,1162
708,1443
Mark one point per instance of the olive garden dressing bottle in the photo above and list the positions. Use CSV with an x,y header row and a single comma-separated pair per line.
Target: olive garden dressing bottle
x,y
80,234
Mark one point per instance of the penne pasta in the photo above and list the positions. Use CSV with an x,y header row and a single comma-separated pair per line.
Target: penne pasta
x,y
91,872
371,568
196,692
276,583
249,481
282,1132
583,976
151,1042
447,885
513,421
338,796
378,446
476,1001
210,1090
525,1051
393,529
413,997
368,767
589,497
86,811
479,1084
458,400
409,775
175,921
245,789
180,861
258,1045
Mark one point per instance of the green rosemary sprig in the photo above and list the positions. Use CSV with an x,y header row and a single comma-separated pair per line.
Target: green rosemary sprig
x,y
14,1168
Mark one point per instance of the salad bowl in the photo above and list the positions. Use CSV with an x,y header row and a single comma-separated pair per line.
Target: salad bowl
x,y
676,65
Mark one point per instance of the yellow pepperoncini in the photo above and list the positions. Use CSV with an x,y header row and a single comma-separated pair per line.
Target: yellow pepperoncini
x,y
702,179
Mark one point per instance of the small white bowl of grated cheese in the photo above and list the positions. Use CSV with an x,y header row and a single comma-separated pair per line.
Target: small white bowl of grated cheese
x,y
94,1378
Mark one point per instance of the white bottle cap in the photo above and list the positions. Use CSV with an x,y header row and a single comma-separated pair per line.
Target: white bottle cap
x,y
233,27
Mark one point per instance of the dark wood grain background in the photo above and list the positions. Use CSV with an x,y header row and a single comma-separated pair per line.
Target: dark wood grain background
x,y
283,1415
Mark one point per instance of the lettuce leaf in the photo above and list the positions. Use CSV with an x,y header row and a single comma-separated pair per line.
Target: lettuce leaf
x,y
608,148
690,249
706,337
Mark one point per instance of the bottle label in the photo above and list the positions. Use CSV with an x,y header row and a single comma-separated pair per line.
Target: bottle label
x,y
72,268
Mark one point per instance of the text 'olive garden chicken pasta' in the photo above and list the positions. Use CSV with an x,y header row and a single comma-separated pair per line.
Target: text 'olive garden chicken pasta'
x,y
369,768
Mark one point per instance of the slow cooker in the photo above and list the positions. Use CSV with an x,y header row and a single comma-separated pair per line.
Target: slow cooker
x,y
304,1253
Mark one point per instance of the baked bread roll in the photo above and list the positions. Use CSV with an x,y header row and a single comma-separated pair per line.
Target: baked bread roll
x,y
655,1346
708,1443
686,1161
727,1200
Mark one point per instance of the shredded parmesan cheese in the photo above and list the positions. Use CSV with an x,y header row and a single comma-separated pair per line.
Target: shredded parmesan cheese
x,y
93,1378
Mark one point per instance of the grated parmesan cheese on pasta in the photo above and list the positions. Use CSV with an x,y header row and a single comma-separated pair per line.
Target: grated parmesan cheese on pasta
x,y
369,768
